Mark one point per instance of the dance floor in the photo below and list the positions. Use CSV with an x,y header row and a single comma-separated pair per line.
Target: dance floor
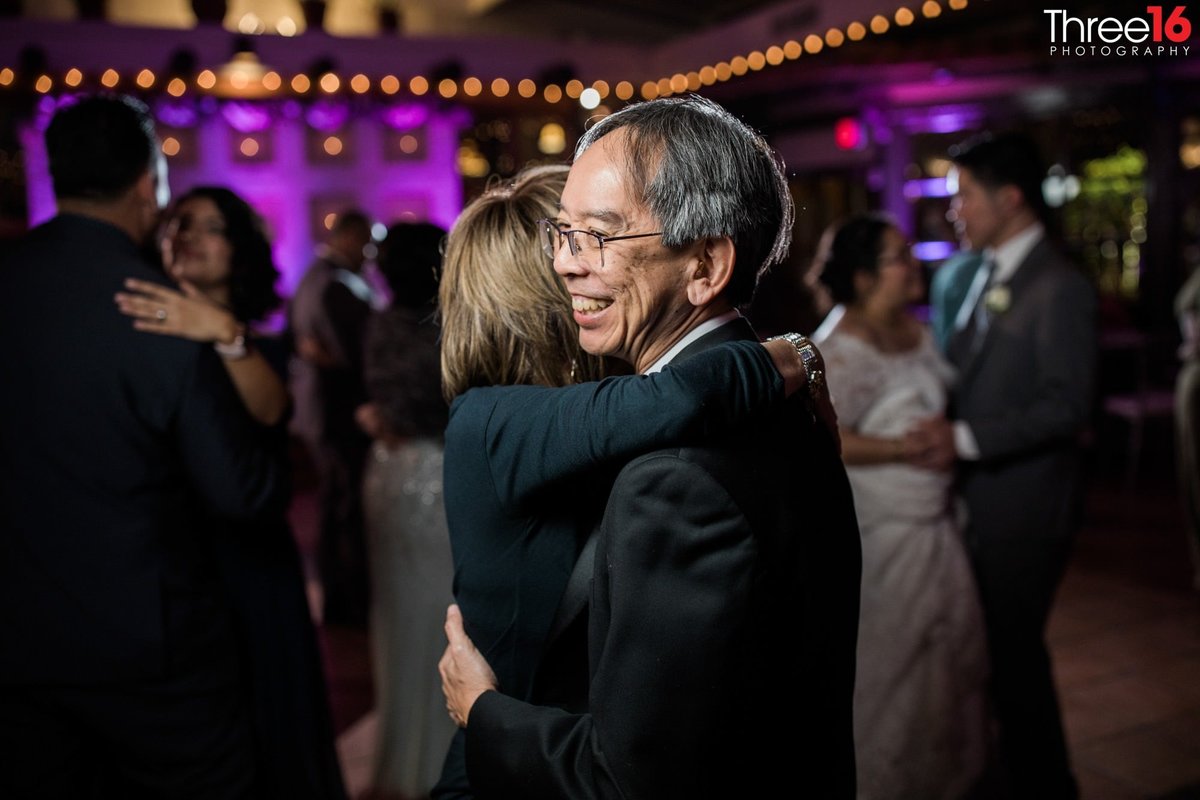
x,y
1125,636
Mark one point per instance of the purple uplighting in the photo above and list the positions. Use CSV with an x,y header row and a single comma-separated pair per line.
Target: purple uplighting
x,y
327,115
405,116
177,113
927,187
933,251
943,119
246,117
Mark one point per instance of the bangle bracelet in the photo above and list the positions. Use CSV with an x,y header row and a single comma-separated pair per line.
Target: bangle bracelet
x,y
236,349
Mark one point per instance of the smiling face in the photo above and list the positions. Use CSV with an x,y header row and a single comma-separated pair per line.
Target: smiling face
x,y
198,249
635,306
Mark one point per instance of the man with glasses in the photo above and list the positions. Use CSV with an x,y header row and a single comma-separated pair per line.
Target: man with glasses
x,y
724,596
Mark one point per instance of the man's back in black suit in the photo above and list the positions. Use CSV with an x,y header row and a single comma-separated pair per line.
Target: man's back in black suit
x,y
116,643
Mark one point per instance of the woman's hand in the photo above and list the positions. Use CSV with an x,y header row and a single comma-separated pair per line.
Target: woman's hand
x,y
186,313
791,367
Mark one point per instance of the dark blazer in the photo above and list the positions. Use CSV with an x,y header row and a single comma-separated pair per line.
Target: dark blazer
x,y
525,484
1027,395
113,444
723,624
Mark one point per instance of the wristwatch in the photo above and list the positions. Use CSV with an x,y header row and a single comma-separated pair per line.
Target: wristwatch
x,y
810,359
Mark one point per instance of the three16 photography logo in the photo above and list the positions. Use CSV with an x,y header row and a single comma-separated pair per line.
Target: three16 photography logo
x,y
1162,31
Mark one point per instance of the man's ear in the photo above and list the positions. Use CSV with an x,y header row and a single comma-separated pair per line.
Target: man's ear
x,y
711,271
146,188
1011,198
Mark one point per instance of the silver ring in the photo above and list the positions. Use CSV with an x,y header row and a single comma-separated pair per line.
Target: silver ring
x,y
161,314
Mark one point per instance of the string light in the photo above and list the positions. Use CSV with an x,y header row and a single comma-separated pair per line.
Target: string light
x,y
679,82
333,146
249,147
7,76
170,146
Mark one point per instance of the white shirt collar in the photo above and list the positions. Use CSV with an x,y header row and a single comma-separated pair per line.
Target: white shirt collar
x,y
1008,256
695,333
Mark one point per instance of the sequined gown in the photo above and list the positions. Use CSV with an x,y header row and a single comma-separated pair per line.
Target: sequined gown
x,y
409,552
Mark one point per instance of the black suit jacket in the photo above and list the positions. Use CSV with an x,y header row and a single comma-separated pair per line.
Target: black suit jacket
x,y
527,472
113,443
724,608
1026,393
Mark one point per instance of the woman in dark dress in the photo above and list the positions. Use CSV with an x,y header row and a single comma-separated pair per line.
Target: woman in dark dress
x,y
216,250
527,464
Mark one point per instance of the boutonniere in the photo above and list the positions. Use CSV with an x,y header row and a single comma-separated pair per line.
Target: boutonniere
x,y
998,299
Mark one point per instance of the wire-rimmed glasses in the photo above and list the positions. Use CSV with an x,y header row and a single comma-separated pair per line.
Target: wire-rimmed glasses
x,y
584,245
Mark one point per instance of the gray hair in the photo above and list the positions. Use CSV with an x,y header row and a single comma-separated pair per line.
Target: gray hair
x,y
704,174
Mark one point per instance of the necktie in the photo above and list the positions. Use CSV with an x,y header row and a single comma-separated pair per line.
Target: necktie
x,y
973,318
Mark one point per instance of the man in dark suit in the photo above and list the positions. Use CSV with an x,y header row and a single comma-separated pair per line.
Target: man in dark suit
x,y
725,589
1025,352
328,317
118,675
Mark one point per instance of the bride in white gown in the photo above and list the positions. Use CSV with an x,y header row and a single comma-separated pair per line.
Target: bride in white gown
x,y
920,709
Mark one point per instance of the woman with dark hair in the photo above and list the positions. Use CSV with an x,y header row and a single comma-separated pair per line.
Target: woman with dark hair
x,y
919,707
216,249
407,542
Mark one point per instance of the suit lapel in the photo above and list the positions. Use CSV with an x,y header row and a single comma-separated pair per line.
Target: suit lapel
x,y
1018,285
575,597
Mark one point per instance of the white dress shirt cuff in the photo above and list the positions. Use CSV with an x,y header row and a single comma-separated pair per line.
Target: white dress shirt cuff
x,y
964,442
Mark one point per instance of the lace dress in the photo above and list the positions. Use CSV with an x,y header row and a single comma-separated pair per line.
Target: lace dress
x,y
919,703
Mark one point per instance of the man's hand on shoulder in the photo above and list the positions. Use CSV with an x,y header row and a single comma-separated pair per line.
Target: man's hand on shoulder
x,y
465,673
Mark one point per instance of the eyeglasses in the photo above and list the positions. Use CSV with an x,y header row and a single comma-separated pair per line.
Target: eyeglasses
x,y
583,247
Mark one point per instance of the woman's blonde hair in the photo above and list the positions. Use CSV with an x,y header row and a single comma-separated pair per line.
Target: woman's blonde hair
x,y
506,318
